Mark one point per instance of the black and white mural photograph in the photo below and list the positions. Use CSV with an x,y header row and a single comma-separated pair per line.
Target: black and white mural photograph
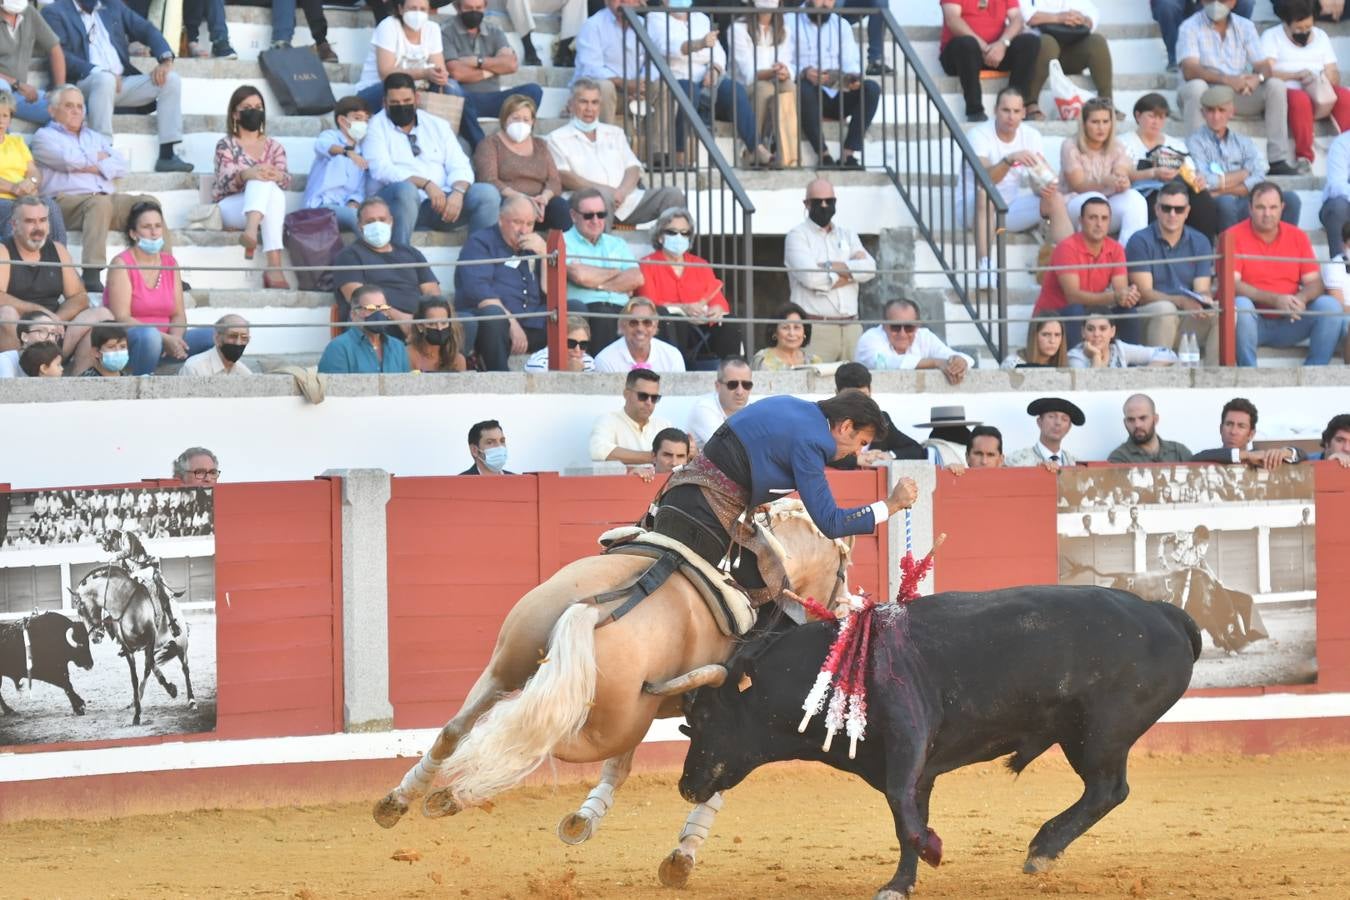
x,y
1232,545
107,614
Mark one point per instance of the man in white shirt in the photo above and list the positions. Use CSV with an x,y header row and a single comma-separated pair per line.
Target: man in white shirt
x,y
1054,417
901,343
627,435
829,78
224,357
729,396
419,169
609,54
827,262
589,153
1011,152
637,346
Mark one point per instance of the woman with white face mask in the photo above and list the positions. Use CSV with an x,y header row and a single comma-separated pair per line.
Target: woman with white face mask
x,y
410,42
762,50
517,163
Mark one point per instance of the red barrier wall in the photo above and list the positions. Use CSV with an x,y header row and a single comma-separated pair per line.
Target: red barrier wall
x,y
463,550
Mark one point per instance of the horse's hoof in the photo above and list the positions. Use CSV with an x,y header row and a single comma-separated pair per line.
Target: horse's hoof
x,y
675,869
388,810
171,690
192,704
439,804
1036,865
575,828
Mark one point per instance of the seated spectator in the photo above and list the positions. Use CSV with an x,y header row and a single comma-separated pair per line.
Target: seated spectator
x,y
111,356
1068,33
1101,350
577,357
283,27
670,450
1074,292
225,358
1335,280
213,13
949,436
1299,54
367,348
385,261
79,170
764,56
1045,347
251,181
27,287
1237,427
786,342
689,43
1054,418
1095,164
896,444
1143,444
901,343
1335,212
436,346
97,47
145,291
1217,48
626,435
26,33
683,284
477,54
637,346
1230,162
41,359
517,163
1165,286
19,175
731,393
416,165
988,34
1169,14
830,82
608,53
1336,440
196,467
985,450
1283,290
826,262
487,446
602,273
406,43
337,176
1010,151
571,14
1159,161
592,154
34,327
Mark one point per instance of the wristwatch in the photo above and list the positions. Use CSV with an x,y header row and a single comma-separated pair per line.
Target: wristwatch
x,y
1007,43
480,62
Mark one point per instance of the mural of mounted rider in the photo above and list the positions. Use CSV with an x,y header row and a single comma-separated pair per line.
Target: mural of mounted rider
x,y
101,593
1233,546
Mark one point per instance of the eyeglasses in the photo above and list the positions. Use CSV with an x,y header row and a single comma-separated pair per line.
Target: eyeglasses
x,y
737,385
412,142
206,473
672,232
822,201
644,397
374,308
897,327
591,216
575,344
1176,210
643,323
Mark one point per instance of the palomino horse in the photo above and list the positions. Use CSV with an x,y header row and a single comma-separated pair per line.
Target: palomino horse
x,y
558,685
110,599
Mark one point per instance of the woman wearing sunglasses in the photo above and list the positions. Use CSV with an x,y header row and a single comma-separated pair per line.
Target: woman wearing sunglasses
x,y
682,283
578,357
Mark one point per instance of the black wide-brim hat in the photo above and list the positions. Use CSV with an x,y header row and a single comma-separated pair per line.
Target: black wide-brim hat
x,y
1056,404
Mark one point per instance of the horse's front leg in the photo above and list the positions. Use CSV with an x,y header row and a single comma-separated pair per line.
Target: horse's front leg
x,y
676,868
580,825
135,688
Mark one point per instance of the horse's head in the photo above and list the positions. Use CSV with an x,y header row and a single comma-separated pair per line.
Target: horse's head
x,y
816,566
85,597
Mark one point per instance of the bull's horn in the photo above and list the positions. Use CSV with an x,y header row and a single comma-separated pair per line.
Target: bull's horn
x,y
703,676
70,638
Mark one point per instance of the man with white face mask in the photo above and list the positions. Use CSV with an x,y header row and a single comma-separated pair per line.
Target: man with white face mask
x,y
403,286
487,446
1169,14
27,31
477,54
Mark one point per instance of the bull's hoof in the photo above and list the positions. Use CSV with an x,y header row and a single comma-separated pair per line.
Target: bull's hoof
x,y
890,893
575,828
1036,865
388,810
440,804
675,869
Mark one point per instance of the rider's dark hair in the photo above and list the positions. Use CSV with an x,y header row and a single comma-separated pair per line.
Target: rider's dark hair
x,y
856,407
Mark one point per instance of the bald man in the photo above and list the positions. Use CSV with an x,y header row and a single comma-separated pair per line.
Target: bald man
x,y
1143,444
827,262
223,358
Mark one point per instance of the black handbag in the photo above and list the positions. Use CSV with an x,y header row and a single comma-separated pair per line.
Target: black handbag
x,y
1065,34
312,238
298,79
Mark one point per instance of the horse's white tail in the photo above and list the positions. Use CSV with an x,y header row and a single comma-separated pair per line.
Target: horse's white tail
x,y
514,738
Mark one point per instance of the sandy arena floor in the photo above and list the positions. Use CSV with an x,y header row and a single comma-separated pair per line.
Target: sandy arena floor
x,y
1202,827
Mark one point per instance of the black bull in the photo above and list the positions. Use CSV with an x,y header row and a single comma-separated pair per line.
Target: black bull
x,y
54,642
955,679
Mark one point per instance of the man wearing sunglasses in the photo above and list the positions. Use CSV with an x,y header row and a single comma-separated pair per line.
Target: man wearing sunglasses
x,y
901,343
730,395
366,349
627,435
1169,284
602,272
638,347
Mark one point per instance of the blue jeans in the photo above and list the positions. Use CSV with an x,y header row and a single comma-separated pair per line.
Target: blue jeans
x,y
875,26
1323,333
214,13
283,21
146,345
488,104
56,223
482,203
1169,14
34,111
731,103
1233,210
346,216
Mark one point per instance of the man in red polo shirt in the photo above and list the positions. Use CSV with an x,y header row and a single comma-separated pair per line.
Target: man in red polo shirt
x,y
988,34
1076,292
1283,290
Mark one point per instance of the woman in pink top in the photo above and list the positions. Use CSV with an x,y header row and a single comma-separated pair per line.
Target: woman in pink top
x,y
1096,164
251,180
150,298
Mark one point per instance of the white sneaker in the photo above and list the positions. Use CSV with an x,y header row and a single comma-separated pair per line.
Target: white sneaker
x,y
984,275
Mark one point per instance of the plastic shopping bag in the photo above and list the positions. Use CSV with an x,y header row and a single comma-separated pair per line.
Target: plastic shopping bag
x,y
1068,97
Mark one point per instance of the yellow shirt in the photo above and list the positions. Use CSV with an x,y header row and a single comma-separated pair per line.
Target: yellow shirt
x,y
14,161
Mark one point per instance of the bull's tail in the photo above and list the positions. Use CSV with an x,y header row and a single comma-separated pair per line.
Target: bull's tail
x,y
514,738
1073,569
1187,623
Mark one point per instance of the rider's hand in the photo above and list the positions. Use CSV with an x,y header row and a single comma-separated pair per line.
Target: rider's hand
x,y
902,495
